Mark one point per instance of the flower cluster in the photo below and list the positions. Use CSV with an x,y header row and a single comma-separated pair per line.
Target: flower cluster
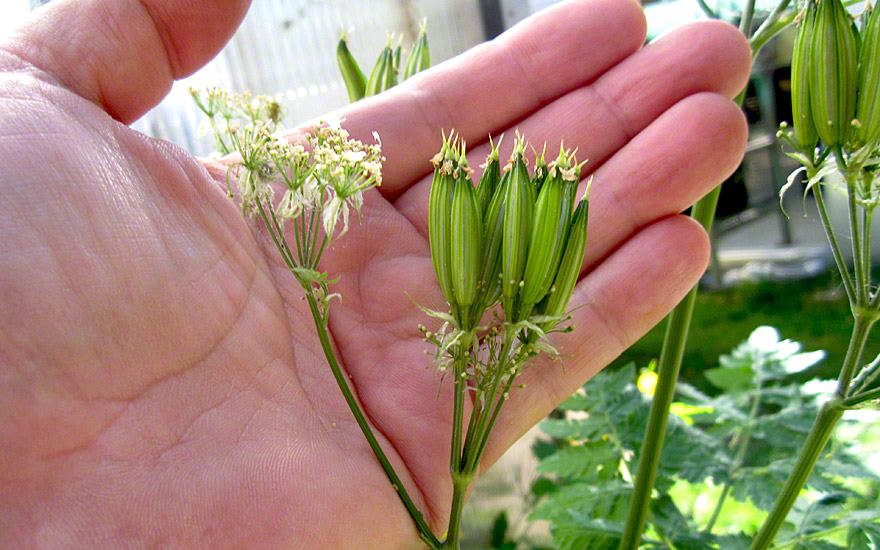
x,y
324,176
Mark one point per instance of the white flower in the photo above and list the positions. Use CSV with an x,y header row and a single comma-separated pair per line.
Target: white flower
x,y
330,215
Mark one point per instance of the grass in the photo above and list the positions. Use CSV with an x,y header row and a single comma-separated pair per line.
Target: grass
x,y
812,311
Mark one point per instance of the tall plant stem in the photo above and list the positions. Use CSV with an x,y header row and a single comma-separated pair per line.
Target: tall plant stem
x,y
742,445
424,531
667,373
821,431
848,284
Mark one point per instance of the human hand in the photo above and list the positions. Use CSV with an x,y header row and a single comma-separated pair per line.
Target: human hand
x,y
161,384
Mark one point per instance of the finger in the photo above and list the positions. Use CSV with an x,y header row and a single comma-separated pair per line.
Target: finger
x,y
497,83
123,54
600,118
621,300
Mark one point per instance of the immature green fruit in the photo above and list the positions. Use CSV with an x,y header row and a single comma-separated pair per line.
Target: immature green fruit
x,y
493,240
868,108
804,129
570,265
490,179
439,219
420,57
379,77
517,230
552,218
541,171
352,75
466,237
834,62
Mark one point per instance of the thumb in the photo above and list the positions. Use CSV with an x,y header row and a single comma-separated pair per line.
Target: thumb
x,y
122,55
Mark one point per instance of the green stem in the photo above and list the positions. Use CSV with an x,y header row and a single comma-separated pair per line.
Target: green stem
x,y
869,373
742,444
667,373
818,437
861,329
848,284
856,237
459,492
424,531
862,397
459,386
815,535
484,405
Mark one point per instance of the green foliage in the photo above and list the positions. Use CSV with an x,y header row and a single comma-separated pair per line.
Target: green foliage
x,y
742,440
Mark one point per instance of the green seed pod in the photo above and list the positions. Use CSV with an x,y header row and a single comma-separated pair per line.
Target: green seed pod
x,y
570,265
868,108
490,178
466,236
439,219
493,239
378,77
541,169
420,58
804,129
352,75
550,229
834,64
517,230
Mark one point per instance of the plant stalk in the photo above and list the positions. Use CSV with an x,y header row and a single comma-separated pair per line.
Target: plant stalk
x,y
821,431
742,444
424,531
668,368
818,437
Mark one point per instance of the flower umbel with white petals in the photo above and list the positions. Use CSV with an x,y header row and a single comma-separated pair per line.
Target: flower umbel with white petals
x,y
321,179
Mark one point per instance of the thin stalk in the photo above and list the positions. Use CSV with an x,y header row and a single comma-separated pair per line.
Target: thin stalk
x,y
868,214
869,373
861,329
459,492
483,411
458,385
775,23
848,284
818,437
742,444
862,397
856,238
424,531
667,373
814,535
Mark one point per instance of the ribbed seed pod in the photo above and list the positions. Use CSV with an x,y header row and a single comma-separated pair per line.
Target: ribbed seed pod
x,y
420,57
378,76
570,265
541,170
834,63
517,230
466,236
493,240
439,219
391,76
550,229
868,108
801,113
490,178
352,75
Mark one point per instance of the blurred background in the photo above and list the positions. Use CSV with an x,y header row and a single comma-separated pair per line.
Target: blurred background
x,y
767,269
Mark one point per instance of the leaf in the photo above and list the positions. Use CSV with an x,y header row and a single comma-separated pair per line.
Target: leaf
x,y
731,378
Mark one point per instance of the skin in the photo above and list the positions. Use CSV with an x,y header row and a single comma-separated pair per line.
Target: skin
x,y
161,384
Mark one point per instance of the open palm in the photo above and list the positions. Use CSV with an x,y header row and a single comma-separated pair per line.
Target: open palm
x,y
161,383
